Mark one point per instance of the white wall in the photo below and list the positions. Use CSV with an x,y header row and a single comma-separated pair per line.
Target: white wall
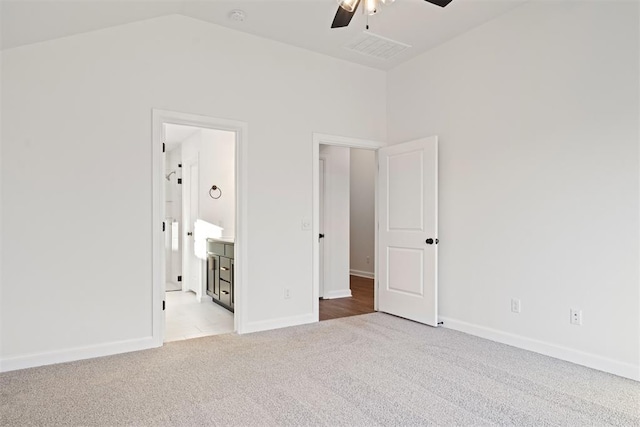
x,y
215,151
217,166
1,193
362,212
71,106
537,113
336,221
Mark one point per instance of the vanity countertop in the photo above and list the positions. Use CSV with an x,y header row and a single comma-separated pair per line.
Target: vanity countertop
x,y
221,239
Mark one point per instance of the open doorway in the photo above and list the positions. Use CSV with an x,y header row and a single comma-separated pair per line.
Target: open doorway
x,y
345,217
199,215
347,236
406,226
200,202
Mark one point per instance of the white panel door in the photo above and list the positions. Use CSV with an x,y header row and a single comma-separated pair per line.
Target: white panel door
x,y
408,230
190,206
194,203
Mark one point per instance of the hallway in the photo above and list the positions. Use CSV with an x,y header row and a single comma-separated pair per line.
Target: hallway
x,y
361,301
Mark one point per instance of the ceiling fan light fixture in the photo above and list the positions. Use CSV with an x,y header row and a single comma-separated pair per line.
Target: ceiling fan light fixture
x,y
370,7
348,5
347,9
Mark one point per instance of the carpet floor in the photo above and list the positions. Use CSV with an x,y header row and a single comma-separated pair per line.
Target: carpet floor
x,y
367,370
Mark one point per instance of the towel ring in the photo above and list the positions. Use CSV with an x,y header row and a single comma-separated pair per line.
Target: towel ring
x,y
212,191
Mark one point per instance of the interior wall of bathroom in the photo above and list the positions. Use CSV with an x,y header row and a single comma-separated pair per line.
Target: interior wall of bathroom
x,y
217,167
214,151
362,184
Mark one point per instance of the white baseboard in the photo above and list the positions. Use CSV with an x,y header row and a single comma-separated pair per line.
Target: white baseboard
x,y
337,294
360,273
78,353
266,325
590,360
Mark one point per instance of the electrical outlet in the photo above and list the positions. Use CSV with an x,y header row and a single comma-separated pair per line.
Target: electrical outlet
x,y
515,305
368,260
287,293
306,224
575,316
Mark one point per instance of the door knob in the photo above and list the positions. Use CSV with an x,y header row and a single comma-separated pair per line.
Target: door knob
x,y
189,233
321,236
429,241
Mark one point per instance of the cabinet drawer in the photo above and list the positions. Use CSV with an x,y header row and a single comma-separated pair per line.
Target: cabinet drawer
x,y
225,268
215,247
225,292
228,251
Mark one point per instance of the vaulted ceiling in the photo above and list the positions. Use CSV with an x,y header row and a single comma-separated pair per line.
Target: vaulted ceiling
x,y
302,23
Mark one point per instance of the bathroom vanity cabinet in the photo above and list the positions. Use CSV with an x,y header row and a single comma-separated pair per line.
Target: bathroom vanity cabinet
x,y
220,254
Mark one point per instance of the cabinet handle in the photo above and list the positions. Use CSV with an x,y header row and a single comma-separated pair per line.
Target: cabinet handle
x,y
224,268
225,292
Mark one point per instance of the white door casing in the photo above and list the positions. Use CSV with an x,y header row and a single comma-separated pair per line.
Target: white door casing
x,y
321,225
408,230
241,129
341,141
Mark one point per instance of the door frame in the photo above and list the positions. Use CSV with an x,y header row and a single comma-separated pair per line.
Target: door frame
x,y
340,141
322,195
241,129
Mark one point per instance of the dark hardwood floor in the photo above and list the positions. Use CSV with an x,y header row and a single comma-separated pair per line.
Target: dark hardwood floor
x,y
361,301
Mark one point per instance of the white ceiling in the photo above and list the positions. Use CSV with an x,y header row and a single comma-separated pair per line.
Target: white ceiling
x,y
303,23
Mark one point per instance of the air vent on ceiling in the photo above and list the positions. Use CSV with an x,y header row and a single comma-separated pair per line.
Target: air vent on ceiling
x,y
376,46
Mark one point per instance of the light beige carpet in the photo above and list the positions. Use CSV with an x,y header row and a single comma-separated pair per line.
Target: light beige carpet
x,y
367,370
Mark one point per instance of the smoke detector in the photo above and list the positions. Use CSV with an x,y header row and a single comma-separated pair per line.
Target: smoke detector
x,y
237,15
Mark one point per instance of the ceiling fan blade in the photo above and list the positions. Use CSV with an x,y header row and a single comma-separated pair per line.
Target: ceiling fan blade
x,y
441,3
343,17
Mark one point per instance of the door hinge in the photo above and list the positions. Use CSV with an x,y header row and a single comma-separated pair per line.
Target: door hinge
x,y
163,305
179,278
163,226
179,180
163,147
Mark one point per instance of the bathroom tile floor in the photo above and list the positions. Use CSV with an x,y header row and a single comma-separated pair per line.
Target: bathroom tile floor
x,y
187,318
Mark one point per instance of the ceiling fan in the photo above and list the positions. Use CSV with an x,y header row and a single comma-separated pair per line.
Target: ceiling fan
x,y
347,8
